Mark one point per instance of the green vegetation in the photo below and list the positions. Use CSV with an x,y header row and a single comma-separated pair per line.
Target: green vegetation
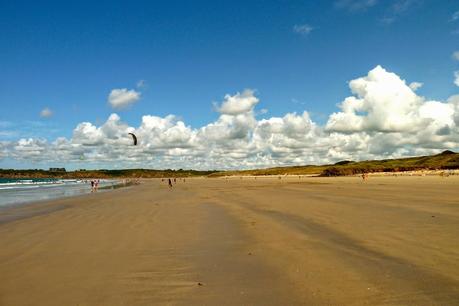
x,y
445,160
81,174
294,170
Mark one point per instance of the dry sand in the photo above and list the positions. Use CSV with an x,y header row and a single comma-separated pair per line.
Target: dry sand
x,y
264,241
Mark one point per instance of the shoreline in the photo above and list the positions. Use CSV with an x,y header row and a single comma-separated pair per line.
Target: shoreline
x,y
13,212
53,191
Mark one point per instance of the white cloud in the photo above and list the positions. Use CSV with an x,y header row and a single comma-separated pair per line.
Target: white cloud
x,y
456,78
415,85
455,55
355,5
239,103
46,113
122,98
303,29
382,118
383,102
30,149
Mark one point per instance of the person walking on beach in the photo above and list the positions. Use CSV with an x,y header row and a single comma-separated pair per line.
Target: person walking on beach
x,y
364,176
170,183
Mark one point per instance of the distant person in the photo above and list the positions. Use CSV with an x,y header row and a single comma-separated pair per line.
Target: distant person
x,y
92,186
175,181
170,183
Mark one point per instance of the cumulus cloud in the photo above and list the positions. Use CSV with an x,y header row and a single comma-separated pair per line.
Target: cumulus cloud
x,y
46,113
382,118
30,149
382,102
122,98
239,103
303,29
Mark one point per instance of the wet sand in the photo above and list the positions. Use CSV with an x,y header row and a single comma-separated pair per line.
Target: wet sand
x,y
264,241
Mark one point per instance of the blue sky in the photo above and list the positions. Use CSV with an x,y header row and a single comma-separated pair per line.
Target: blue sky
x,y
296,55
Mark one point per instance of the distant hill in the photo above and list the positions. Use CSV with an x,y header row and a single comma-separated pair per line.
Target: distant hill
x,y
82,174
444,160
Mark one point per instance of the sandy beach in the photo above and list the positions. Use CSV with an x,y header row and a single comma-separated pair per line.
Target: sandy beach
x,y
263,241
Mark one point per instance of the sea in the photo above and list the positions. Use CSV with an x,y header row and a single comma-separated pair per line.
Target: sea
x,y
21,191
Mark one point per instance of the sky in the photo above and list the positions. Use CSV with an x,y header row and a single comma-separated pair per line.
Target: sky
x,y
226,84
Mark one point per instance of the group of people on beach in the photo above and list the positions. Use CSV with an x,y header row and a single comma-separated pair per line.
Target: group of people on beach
x,y
169,181
94,185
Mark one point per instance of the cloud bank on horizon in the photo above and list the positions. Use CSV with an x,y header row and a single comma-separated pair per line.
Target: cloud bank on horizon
x,y
383,118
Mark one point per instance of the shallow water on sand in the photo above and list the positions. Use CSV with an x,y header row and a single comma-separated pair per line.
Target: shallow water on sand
x,y
20,191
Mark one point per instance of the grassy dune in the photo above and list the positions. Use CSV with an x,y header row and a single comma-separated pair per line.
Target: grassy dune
x,y
444,160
